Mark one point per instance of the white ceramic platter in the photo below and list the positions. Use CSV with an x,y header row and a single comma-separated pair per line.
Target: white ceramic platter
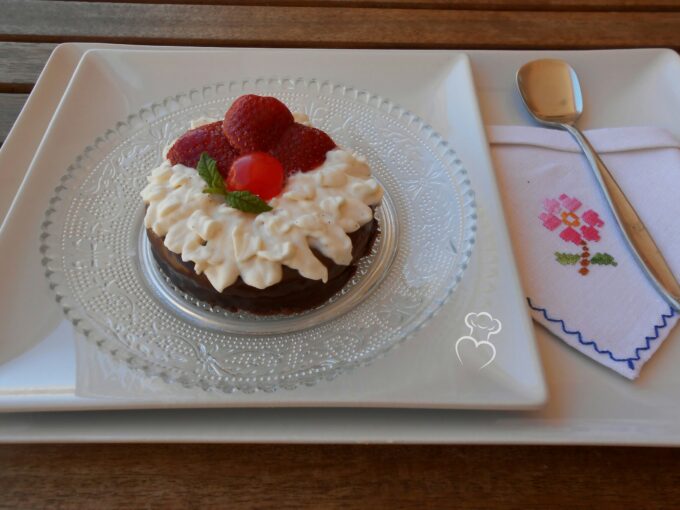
x,y
587,404
110,84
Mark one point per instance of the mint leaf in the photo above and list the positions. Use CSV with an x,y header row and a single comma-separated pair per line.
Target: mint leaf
x,y
247,202
242,200
215,191
207,169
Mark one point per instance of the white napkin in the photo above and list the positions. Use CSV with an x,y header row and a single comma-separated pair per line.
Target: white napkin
x,y
580,280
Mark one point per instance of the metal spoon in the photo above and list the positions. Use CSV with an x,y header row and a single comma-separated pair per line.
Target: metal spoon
x,y
552,94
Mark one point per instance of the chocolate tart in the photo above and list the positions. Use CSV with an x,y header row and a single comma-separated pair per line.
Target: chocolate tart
x,y
294,293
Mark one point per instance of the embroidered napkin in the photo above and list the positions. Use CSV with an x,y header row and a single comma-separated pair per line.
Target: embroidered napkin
x,y
580,280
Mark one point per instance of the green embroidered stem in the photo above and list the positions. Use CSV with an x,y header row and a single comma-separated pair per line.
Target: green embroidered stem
x,y
567,259
603,259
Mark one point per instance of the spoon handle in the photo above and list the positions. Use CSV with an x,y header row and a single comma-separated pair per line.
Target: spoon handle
x,y
640,242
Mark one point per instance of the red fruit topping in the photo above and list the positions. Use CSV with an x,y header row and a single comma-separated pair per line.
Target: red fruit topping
x,y
302,148
257,172
208,138
254,123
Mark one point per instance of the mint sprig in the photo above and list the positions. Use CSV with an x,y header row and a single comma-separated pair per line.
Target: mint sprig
x,y
242,200
207,169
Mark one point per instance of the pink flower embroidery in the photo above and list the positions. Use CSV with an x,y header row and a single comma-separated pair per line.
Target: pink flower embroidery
x,y
578,229
563,212
593,222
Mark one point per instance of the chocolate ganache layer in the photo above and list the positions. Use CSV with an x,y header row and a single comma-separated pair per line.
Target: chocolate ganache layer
x,y
294,293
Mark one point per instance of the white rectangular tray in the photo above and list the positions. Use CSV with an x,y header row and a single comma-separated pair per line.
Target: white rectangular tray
x,y
423,372
587,405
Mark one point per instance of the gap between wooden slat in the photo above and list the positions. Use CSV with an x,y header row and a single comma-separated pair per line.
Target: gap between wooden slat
x,y
46,21
10,106
20,65
507,5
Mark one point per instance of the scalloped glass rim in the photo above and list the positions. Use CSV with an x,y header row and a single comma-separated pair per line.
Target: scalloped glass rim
x,y
106,333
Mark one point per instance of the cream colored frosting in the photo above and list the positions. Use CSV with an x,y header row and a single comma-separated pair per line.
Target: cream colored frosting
x,y
316,209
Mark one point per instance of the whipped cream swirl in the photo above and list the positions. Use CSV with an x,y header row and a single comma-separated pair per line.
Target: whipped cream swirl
x,y
315,210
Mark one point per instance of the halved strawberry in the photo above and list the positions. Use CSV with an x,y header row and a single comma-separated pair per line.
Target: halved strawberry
x,y
302,148
208,138
254,123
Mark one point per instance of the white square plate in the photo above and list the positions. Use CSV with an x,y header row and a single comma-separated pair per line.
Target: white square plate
x,y
110,84
588,404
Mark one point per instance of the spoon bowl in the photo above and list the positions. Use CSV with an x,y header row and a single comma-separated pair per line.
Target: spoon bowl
x,y
551,91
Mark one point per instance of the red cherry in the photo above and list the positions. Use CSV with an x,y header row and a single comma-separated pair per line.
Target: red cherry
x,y
257,172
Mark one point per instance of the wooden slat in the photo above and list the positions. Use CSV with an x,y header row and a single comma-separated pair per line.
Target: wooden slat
x,y
515,5
319,477
10,106
40,20
20,64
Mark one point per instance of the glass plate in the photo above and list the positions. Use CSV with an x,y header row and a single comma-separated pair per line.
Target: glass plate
x,y
97,260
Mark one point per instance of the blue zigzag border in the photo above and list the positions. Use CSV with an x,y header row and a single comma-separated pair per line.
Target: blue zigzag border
x,y
591,343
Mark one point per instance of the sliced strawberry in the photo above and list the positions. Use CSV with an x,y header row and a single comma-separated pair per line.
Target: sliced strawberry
x,y
208,138
254,123
302,148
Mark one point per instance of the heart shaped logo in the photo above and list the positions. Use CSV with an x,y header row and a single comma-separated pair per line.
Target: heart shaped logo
x,y
481,325
489,350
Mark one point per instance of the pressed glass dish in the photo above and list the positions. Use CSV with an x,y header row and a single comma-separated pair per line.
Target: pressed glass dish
x,y
98,262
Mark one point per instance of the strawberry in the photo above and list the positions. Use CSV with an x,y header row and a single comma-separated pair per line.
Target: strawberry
x,y
254,123
208,138
302,148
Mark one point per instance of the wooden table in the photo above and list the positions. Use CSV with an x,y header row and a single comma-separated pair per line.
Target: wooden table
x,y
171,476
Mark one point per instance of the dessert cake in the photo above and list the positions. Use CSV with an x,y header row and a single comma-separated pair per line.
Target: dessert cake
x,y
260,212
